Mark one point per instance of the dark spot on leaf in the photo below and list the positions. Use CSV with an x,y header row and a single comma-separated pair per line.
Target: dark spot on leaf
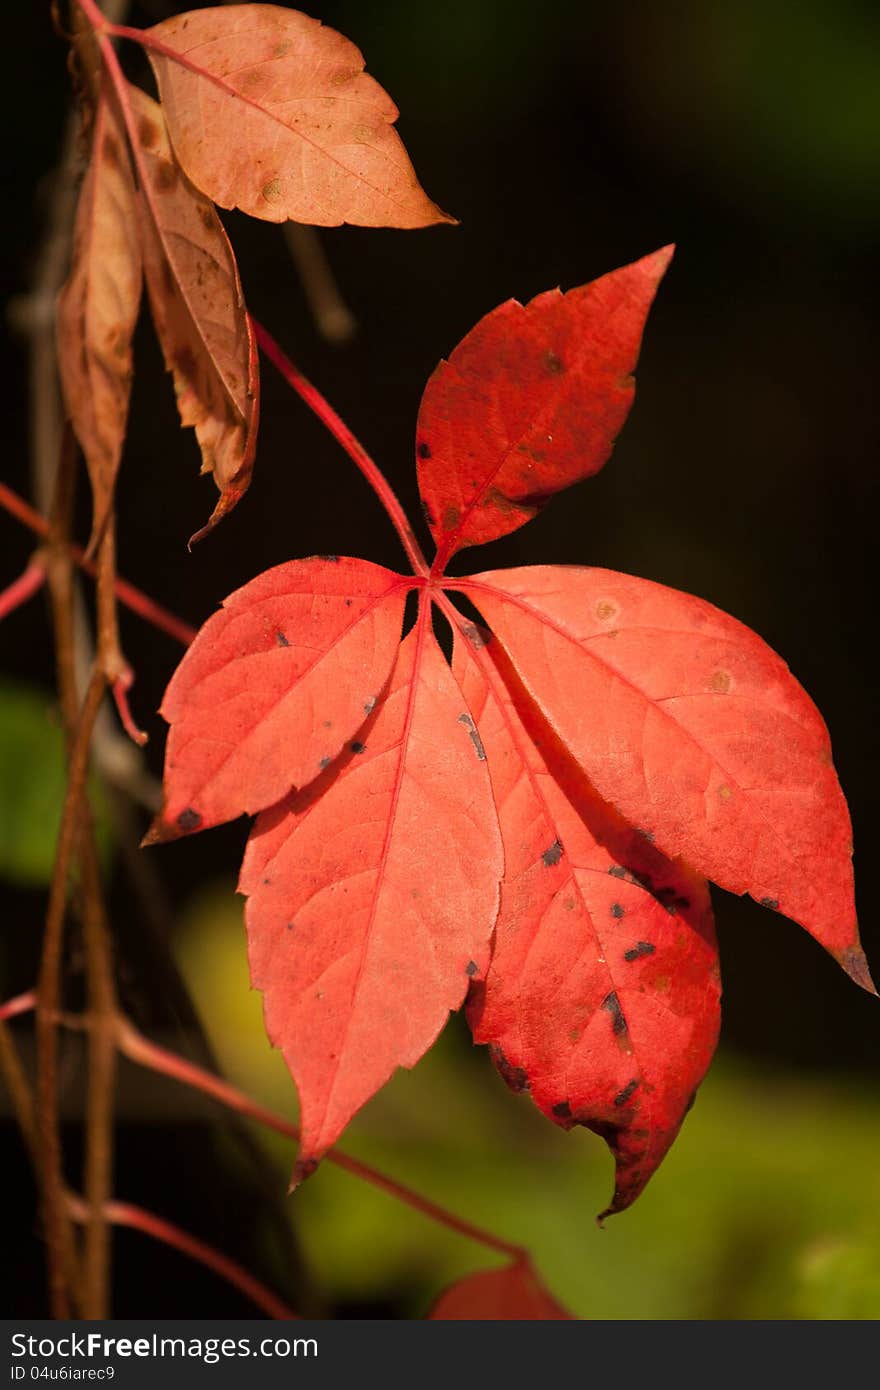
x,y
428,515
325,762
189,819
515,1077
148,131
471,968
451,518
616,910
207,215
474,736
611,1005
423,449
646,834
266,882
477,636
772,903
328,723
166,177
185,363
281,639
641,948
358,747
290,926
553,364
562,1111
111,152
667,897
348,603
552,855
623,1096
616,871
369,705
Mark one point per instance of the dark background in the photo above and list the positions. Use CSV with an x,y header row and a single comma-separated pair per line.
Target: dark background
x,y
569,138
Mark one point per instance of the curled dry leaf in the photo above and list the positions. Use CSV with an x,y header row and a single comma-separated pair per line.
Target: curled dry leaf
x,y
198,309
530,402
98,307
274,686
693,729
603,994
511,1294
372,896
272,113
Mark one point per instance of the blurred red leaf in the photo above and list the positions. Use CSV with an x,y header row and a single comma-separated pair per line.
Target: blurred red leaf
x,y
511,1294
530,402
272,113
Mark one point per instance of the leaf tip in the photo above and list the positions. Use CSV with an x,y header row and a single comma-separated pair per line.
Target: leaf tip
x,y
852,960
302,1169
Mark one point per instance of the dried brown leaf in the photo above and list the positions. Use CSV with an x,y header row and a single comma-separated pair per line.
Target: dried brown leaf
x,y
98,307
272,113
198,309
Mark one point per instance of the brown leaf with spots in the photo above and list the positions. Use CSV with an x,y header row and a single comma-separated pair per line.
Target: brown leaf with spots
x,y
272,113
198,309
98,307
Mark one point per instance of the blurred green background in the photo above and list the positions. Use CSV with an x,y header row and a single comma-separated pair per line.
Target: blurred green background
x,y
569,138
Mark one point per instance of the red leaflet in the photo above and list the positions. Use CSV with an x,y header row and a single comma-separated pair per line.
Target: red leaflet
x,y
273,687
530,402
372,895
603,994
511,1294
693,729
98,307
271,113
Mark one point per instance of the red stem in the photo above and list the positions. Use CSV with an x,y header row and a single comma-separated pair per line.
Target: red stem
x,y
139,1049
133,598
352,446
21,1004
124,1214
21,589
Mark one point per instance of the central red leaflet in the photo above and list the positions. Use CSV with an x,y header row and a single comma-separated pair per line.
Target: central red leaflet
x,y
372,896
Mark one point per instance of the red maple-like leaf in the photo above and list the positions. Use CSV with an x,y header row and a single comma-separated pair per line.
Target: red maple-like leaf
x,y
600,751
